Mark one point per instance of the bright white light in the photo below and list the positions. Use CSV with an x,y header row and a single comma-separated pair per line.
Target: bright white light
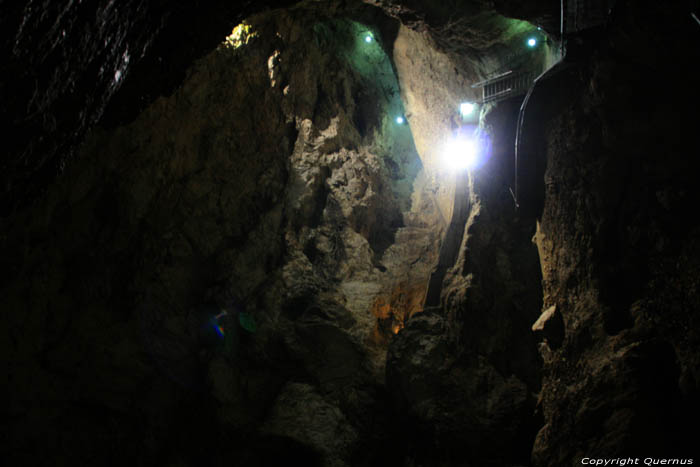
x,y
460,153
399,120
368,38
466,108
532,42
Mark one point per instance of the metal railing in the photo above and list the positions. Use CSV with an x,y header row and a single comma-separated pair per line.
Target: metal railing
x,y
504,85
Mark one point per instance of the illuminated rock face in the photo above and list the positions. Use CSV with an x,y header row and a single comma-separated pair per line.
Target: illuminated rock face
x,y
620,376
464,367
431,109
274,184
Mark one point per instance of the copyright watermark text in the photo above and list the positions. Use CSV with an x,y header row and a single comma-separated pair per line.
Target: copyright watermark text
x,y
622,461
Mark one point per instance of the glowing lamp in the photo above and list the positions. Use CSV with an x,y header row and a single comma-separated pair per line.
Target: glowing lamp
x,y
400,120
531,42
368,38
466,108
460,153
468,148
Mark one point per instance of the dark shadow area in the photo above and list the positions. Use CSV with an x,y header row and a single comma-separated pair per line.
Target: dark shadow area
x,y
546,99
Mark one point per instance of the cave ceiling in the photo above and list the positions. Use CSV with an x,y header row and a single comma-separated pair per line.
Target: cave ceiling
x,y
56,96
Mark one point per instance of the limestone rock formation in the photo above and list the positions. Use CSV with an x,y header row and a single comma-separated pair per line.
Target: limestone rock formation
x,y
616,253
262,189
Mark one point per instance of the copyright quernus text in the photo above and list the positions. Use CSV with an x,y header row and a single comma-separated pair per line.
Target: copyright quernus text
x,y
621,461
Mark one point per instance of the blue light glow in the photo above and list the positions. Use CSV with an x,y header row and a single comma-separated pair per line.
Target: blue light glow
x,y
217,325
400,120
368,38
531,42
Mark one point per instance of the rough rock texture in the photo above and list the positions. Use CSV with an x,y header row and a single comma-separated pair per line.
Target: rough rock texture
x,y
262,188
58,92
430,110
465,372
66,60
470,31
423,59
468,369
619,247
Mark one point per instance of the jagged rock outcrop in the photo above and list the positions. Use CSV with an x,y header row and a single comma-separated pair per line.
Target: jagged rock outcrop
x,y
619,247
476,386
279,207
64,63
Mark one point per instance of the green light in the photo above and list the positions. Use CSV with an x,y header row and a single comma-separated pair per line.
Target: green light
x,y
400,120
247,322
368,38
531,42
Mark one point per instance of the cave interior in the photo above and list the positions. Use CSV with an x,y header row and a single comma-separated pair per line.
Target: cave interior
x,y
350,233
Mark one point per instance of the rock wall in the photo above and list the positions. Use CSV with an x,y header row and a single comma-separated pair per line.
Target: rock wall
x,y
288,198
467,369
65,63
247,249
618,247
465,372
